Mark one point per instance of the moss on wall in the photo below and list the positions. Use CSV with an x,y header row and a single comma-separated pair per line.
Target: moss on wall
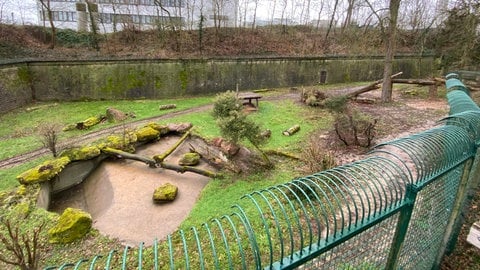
x,y
15,87
157,79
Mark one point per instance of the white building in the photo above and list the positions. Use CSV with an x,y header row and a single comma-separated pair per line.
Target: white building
x,y
114,15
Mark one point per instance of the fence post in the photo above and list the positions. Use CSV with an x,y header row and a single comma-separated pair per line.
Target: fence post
x,y
469,179
402,226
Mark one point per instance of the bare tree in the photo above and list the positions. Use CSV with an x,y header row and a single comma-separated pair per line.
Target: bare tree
x,y
19,248
332,20
46,8
255,13
93,17
390,41
389,34
348,16
49,135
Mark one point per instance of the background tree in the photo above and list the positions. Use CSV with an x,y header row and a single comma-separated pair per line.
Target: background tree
x,y
458,40
390,40
46,10
389,34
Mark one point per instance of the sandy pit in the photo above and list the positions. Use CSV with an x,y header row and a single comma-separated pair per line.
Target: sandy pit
x,y
118,195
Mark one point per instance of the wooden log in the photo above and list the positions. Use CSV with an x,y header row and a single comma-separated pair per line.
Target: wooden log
x,y
122,154
365,100
152,164
370,87
292,130
282,154
167,107
416,81
161,157
183,169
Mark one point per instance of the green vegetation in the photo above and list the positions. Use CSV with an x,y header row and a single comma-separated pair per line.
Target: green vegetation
x,y
8,176
228,190
19,128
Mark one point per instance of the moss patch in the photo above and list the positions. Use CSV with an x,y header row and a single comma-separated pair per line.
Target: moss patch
x,y
146,134
43,172
165,193
189,159
121,142
73,224
161,128
81,153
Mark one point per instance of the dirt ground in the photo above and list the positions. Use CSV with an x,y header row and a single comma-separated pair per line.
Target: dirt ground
x,y
118,195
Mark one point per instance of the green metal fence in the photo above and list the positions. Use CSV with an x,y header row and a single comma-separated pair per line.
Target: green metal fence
x,y
396,209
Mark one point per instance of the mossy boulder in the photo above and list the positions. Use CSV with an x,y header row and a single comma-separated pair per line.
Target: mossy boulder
x,y
69,127
121,142
165,193
147,134
161,128
43,172
90,122
189,159
81,153
73,224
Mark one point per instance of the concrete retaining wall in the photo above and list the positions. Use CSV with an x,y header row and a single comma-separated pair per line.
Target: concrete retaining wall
x,y
157,79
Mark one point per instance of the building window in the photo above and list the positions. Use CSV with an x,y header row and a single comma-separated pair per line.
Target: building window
x,y
61,16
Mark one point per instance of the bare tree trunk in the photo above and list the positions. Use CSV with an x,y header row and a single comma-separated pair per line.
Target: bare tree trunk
x,y
390,36
348,18
46,5
255,14
285,3
332,19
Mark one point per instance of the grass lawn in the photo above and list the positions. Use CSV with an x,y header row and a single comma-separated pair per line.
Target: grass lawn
x,y
217,197
19,128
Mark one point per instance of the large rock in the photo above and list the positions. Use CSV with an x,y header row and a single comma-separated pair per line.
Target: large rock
x,y
43,172
228,148
189,159
165,193
160,128
115,115
147,134
73,224
179,128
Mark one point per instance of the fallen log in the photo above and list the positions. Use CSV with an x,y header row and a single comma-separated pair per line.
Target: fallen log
x,y
291,130
370,87
152,164
161,157
417,81
282,154
167,107
125,155
183,169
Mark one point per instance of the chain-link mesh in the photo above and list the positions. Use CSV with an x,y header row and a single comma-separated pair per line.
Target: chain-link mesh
x,y
368,250
429,220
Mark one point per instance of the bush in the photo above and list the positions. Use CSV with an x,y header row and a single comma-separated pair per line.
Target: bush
x,y
22,237
355,128
316,158
226,104
336,104
234,124
70,38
